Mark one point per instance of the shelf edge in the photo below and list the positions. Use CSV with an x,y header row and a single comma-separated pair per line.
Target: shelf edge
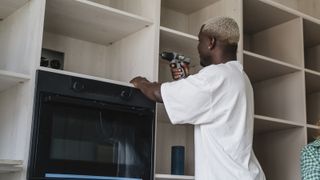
x,y
179,33
312,72
272,60
313,126
277,120
114,10
291,11
12,74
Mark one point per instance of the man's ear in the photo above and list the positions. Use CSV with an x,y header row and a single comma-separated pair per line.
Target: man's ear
x,y
212,43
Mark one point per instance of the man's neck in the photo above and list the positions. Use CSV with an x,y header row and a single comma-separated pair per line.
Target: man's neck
x,y
224,53
224,58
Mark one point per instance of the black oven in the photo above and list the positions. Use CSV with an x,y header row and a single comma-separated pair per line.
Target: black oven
x,y
88,129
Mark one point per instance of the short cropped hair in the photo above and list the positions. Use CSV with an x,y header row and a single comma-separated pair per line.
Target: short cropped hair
x,y
222,28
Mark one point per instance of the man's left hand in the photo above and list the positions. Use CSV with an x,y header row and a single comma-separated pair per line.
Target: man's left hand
x,y
138,80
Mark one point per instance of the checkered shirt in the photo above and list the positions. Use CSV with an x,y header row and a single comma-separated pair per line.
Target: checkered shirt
x,y
310,161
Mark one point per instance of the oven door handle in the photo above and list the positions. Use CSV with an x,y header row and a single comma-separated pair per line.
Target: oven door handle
x,y
52,98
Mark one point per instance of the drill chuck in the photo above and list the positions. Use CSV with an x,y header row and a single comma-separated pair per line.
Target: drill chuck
x,y
177,61
169,56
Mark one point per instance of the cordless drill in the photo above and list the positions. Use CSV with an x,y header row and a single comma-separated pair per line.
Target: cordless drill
x,y
177,61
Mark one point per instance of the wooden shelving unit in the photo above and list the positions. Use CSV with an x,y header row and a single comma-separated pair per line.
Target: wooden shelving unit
x,y
20,24
109,41
284,90
98,40
116,40
311,30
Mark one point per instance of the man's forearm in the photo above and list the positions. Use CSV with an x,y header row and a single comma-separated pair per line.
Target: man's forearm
x,y
151,90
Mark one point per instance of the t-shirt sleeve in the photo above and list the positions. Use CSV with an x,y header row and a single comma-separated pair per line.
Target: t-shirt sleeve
x,y
189,101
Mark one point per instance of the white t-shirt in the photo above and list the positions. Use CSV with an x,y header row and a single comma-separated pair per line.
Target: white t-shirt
x,y
219,102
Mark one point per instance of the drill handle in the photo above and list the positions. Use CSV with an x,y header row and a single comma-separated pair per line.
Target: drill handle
x,y
179,69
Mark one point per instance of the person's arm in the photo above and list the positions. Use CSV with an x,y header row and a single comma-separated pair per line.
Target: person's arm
x,y
151,90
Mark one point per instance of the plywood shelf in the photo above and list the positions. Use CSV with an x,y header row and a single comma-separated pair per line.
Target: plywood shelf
x,y
7,7
185,36
254,63
258,16
7,166
282,97
187,6
268,29
90,21
311,126
173,177
9,79
264,124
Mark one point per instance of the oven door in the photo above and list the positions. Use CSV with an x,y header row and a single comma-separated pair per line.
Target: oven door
x,y
80,138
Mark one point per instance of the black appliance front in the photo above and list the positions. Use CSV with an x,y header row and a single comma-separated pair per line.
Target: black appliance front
x,y
87,129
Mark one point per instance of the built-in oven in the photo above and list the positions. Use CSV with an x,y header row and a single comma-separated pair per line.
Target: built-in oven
x,y
88,129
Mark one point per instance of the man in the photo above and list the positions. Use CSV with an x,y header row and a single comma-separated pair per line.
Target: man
x,y
218,101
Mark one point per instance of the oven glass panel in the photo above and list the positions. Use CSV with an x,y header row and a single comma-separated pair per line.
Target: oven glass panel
x,y
84,137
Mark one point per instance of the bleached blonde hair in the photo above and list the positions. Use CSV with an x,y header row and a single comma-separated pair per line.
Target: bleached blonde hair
x,y
222,28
